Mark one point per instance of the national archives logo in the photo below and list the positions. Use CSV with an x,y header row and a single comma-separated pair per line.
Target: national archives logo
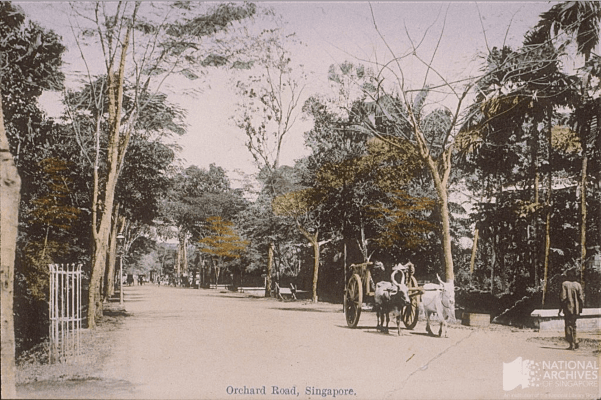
x,y
529,373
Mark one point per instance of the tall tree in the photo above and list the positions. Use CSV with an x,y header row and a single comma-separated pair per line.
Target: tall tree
x,y
142,187
270,106
303,206
401,111
520,101
258,223
10,194
222,242
359,174
29,61
516,107
581,22
195,195
137,194
161,39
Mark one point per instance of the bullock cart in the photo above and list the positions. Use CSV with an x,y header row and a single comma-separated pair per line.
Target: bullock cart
x,y
360,289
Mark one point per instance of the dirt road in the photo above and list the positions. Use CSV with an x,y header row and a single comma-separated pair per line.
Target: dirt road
x,y
203,344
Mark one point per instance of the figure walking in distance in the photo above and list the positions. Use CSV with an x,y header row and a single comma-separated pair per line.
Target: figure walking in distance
x,y
572,302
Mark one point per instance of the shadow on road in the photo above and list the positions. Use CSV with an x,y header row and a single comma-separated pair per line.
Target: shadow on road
x,y
301,309
230,296
90,388
422,334
115,313
356,328
556,348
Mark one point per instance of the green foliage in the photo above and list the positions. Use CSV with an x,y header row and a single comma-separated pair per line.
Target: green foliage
x,y
296,204
53,208
223,240
144,181
197,194
269,94
565,140
364,182
30,58
579,18
259,224
524,93
405,224
217,19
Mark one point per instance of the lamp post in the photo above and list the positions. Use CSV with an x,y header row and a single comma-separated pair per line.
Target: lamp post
x,y
120,239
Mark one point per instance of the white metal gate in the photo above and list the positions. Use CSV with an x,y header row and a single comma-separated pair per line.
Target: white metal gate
x,y
65,311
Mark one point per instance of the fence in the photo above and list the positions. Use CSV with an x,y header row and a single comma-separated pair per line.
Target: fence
x,y
65,311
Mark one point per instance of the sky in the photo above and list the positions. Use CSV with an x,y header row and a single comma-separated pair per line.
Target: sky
x,y
332,32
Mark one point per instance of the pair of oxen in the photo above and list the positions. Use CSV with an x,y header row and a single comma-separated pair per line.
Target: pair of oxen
x,y
393,296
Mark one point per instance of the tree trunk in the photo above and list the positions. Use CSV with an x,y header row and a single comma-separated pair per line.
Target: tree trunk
x,y
548,217
547,250
181,255
485,191
474,249
597,160
583,214
109,278
269,270
313,239
440,176
185,254
10,195
178,262
536,174
345,263
315,267
203,281
217,272
115,152
446,236
493,262
164,256
45,242
362,245
101,237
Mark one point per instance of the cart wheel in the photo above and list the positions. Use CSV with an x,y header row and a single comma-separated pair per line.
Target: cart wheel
x,y
353,299
411,311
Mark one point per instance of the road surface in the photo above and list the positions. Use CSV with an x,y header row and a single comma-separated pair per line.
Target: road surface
x,y
204,344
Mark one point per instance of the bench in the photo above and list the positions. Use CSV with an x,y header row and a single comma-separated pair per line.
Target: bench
x,y
252,290
220,286
548,320
292,292
280,291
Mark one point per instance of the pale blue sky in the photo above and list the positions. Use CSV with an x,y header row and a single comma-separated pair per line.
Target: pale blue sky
x,y
334,32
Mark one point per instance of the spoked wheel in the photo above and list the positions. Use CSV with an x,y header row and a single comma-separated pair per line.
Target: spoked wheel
x,y
353,299
411,311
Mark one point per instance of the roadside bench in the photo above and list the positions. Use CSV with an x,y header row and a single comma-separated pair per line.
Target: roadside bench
x,y
252,290
280,292
220,286
291,291
548,320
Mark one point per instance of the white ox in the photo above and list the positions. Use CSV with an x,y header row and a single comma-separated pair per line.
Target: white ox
x,y
390,297
439,298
